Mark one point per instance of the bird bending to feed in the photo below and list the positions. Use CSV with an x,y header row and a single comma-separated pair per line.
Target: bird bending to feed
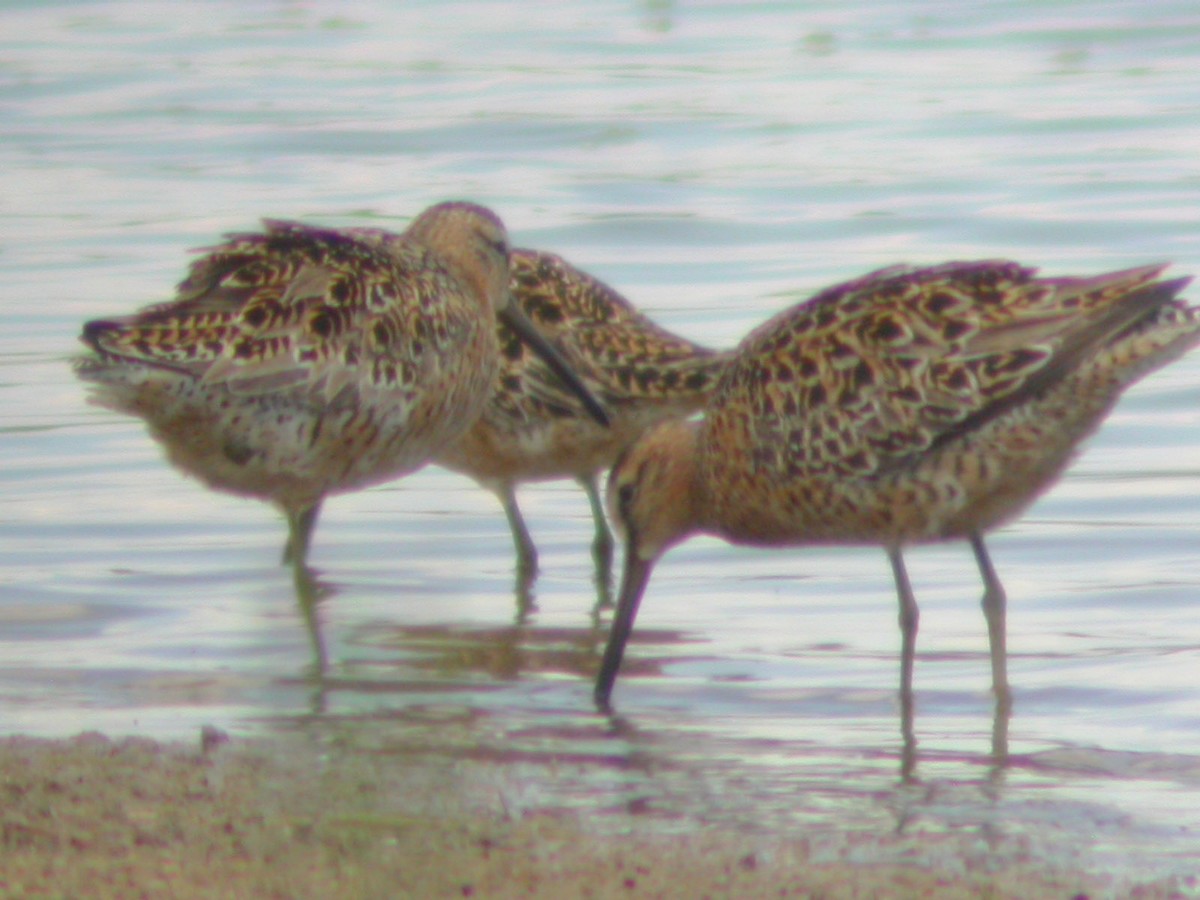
x,y
533,430
910,405
298,362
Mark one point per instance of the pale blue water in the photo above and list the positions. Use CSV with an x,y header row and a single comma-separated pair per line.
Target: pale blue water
x,y
714,162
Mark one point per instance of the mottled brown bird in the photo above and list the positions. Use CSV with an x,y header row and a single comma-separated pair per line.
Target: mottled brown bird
x,y
299,362
533,430
910,405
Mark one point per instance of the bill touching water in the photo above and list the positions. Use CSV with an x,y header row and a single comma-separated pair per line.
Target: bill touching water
x,y
714,164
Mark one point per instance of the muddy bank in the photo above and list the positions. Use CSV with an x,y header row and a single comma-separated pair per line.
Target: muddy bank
x,y
95,817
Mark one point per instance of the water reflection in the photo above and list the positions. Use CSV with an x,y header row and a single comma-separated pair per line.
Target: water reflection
x,y
133,606
461,662
993,603
498,696
657,15
506,653
527,570
310,593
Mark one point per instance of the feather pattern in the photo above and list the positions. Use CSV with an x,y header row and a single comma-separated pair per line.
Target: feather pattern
x,y
296,361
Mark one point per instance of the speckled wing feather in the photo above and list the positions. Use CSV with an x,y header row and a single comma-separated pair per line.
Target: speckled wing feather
x,y
299,309
622,355
870,374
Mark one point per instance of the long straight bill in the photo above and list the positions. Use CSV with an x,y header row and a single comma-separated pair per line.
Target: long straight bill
x,y
633,585
524,329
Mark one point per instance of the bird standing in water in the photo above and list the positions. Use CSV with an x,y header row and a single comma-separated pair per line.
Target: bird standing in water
x,y
910,405
533,430
299,362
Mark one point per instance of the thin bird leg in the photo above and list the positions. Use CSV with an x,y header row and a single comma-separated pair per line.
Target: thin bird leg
x,y
300,528
602,546
527,556
909,620
994,603
309,593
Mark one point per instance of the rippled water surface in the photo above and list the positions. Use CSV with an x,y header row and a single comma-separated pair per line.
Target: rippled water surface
x,y
714,162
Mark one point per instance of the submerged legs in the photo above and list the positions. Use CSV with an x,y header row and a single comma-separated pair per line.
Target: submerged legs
x,y
994,602
527,557
527,554
994,611
602,545
309,594
910,617
300,528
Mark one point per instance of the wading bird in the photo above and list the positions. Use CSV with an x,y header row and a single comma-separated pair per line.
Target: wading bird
x,y
533,430
910,405
299,362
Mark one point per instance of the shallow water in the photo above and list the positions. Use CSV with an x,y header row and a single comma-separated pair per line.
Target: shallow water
x,y
714,162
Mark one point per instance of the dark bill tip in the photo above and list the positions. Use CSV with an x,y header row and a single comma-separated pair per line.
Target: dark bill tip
x,y
633,586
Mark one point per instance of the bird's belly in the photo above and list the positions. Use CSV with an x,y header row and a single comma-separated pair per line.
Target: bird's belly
x,y
277,448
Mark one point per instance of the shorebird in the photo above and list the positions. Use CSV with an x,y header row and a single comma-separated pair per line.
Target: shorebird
x,y
533,430
910,405
299,362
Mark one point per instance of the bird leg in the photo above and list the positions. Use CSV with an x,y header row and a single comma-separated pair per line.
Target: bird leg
x,y
309,594
300,528
527,555
910,617
994,611
602,546
994,602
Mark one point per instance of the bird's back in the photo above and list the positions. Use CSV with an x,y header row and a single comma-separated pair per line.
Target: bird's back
x,y
532,428
301,360
917,404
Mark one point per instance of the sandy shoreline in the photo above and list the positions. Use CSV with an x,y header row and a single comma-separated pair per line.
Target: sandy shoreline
x,y
94,817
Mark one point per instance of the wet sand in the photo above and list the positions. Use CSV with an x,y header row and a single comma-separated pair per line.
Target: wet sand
x,y
305,817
